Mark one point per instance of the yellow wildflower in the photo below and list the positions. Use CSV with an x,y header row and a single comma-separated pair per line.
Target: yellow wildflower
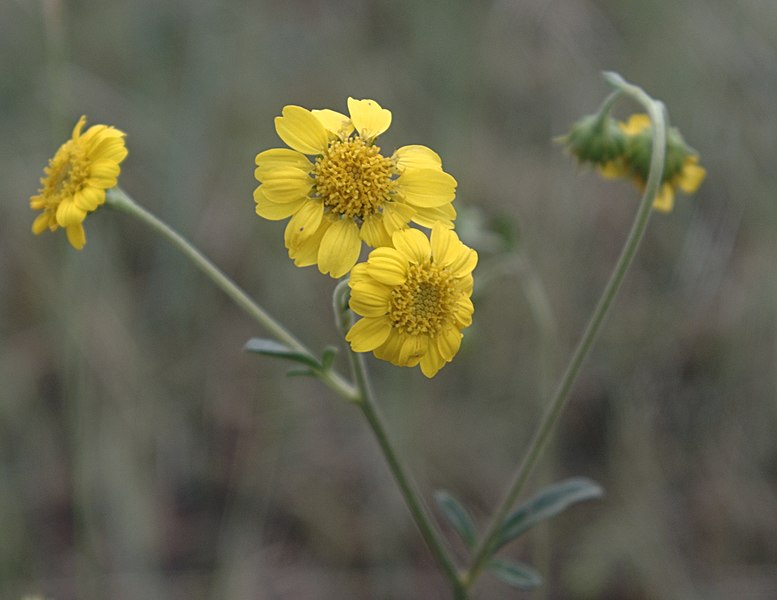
x,y
349,192
681,167
414,299
76,179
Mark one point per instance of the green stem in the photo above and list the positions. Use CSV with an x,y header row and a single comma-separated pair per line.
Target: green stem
x,y
554,409
119,200
410,493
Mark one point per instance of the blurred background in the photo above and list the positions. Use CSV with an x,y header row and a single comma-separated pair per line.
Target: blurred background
x,y
143,455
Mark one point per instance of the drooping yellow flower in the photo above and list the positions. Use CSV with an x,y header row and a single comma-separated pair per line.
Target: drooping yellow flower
x,y
681,168
349,192
414,299
76,179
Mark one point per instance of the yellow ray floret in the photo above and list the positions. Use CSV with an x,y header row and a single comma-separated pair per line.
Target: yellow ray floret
x,y
76,179
687,177
414,299
340,191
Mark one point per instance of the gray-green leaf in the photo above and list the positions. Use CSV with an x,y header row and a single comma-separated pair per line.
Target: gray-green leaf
x,y
278,350
515,574
548,503
457,516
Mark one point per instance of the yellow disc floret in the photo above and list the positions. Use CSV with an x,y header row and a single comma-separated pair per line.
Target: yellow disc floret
x,y
353,179
424,302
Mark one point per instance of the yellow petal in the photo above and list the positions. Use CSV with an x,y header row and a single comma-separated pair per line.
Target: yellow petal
x,y
417,157
426,188
89,198
664,201
463,312
288,186
396,215
305,253
636,124
448,342
413,348
613,170
78,127
369,119
69,214
304,223
450,253
427,217
37,202
103,174
368,333
432,361
108,148
691,176
280,158
335,122
301,130
446,246
367,303
41,223
358,274
76,235
340,248
413,244
388,266
373,232
389,350
274,211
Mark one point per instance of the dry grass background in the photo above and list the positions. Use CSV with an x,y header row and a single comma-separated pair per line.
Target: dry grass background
x,y
143,456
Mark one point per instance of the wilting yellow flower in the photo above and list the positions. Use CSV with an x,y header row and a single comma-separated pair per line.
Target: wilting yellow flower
x,y
76,179
681,168
349,192
414,299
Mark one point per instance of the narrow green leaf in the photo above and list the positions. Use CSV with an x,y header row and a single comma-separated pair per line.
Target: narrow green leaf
x,y
515,574
328,357
278,350
548,503
458,516
300,373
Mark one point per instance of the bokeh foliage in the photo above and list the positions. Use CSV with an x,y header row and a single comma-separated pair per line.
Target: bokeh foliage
x,y
142,455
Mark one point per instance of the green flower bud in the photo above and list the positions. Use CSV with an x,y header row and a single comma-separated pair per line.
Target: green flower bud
x,y
595,139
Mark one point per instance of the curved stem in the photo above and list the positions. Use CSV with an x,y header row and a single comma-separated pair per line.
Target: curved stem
x,y
409,492
118,199
655,109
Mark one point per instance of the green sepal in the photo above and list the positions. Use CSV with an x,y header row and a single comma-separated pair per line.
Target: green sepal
x,y
515,574
278,350
457,516
548,503
595,139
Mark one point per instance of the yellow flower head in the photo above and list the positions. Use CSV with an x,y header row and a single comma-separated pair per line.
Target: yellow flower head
x,y
681,167
76,179
414,299
348,192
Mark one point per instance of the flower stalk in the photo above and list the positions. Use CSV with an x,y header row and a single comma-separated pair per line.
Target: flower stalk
x,y
560,399
118,199
410,493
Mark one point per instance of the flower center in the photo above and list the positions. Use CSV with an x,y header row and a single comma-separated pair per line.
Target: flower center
x,y
66,174
353,179
425,302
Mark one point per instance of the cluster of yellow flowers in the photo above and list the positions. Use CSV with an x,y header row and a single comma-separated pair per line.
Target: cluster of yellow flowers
x,y
623,150
339,193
